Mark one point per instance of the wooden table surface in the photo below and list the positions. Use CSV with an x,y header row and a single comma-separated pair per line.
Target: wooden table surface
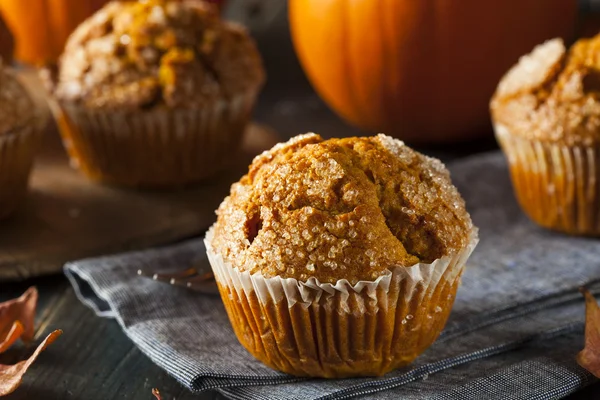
x,y
93,359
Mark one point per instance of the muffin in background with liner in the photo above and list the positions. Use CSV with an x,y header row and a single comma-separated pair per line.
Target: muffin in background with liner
x,y
546,115
342,257
155,93
20,135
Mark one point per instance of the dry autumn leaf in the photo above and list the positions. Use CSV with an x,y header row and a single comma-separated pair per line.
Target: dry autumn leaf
x,y
156,394
589,357
22,310
12,336
12,375
17,321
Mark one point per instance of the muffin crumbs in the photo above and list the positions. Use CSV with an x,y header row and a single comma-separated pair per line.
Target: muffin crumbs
x,y
342,208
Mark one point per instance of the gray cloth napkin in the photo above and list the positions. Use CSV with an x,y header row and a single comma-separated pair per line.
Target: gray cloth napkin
x,y
515,329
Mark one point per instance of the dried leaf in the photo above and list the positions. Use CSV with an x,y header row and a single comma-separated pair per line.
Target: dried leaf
x,y
12,375
589,357
13,335
21,309
156,394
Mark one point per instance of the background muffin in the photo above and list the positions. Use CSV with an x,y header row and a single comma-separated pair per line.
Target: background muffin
x,y
155,93
546,114
341,257
19,139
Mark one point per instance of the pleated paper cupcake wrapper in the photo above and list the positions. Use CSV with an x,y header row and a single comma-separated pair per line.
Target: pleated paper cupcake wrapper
x,y
154,148
340,330
17,150
556,185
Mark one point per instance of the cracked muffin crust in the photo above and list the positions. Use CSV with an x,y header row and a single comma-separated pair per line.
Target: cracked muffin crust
x,y
553,94
140,54
341,208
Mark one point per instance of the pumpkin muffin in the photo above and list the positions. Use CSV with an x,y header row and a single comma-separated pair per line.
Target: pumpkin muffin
x,y
342,257
546,114
19,139
155,93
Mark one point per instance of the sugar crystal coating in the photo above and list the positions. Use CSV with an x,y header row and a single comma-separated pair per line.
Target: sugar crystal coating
x,y
552,94
157,53
340,209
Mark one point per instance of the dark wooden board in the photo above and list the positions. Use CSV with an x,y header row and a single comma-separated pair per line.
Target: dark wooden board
x,y
67,217
92,360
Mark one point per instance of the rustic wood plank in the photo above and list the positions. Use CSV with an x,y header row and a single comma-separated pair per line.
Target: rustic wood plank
x,y
93,359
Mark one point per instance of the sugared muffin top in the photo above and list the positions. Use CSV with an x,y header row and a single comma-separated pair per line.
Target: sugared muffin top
x,y
157,52
16,107
552,94
341,208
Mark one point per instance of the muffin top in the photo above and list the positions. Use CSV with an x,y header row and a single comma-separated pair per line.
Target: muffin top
x,y
553,94
156,52
16,107
340,209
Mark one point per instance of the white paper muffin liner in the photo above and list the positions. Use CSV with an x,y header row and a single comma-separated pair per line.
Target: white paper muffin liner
x,y
340,330
159,147
556,185
17,151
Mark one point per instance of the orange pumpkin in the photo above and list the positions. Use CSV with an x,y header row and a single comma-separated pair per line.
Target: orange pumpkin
x,y
421,70
41,27
6,43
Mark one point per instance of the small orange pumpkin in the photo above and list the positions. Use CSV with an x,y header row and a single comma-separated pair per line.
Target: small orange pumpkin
x,y
41,27
6,43
421,70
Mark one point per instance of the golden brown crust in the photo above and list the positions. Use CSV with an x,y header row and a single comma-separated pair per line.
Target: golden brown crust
x,y
552,94
342,208
16,107
141,54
